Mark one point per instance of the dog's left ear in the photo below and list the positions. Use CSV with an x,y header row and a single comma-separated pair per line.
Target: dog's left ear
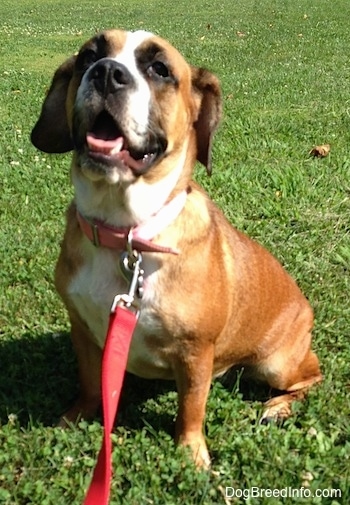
x,y
51,133
207,91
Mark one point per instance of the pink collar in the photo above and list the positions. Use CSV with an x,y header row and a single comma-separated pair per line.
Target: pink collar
x,y
140,236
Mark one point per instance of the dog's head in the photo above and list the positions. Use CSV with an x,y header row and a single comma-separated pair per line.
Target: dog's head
x,y
126,104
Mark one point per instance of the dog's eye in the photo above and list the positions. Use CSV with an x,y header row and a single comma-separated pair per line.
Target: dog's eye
x,y
87,58
159,69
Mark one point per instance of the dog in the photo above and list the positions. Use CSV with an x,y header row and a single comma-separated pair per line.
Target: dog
x,y
137,117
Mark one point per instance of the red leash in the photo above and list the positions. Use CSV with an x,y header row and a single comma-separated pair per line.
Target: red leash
x,y
122,323
123,319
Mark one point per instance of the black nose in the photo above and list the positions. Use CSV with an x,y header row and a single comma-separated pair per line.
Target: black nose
x,y
110,76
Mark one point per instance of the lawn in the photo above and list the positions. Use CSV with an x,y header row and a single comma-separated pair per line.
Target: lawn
x,y
285,74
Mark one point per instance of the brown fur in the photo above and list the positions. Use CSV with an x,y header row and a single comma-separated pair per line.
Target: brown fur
x,y
223,302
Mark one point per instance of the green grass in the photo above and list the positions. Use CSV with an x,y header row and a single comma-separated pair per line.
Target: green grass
x,y
284,68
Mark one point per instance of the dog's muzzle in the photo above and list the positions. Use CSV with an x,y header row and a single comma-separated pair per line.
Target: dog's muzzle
x,y
106,134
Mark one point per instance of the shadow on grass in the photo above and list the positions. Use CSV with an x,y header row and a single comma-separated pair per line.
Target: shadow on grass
x,y
36,374
38,381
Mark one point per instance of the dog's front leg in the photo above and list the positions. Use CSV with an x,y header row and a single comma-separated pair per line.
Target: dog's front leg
x,y
193,376
89,357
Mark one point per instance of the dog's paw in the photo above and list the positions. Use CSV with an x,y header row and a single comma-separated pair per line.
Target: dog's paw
x,y
276,411
198,450
202,459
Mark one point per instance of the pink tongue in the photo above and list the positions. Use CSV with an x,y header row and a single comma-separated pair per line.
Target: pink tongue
x,y
114,149
104,146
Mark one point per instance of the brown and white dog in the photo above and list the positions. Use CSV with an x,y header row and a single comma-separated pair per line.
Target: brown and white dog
x,y
137,117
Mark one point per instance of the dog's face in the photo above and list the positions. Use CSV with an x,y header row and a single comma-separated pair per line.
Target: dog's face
x,y
129,105
126,102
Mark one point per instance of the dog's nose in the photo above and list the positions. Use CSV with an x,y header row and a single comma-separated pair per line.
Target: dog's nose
x,y
110,76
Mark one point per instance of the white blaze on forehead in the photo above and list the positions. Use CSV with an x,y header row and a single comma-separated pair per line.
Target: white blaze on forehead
x,y
139,99
127,55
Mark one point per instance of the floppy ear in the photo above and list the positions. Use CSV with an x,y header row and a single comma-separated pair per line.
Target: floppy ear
x,y
51,133
207,89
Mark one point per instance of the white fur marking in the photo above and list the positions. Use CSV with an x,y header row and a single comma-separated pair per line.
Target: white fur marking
x,y
144,199
127,206
92,291
139,100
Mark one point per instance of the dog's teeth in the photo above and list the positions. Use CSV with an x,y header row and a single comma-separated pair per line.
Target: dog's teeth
x,y
117,148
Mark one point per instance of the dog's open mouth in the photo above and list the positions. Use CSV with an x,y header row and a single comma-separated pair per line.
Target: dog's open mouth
x,y
108,146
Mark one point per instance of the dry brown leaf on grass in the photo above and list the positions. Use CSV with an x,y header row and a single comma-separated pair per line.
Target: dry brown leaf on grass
x,y
320,151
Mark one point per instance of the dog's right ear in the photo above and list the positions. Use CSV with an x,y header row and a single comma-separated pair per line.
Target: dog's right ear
x,y
51,133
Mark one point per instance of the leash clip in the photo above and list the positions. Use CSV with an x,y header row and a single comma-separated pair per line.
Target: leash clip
x,y
130,265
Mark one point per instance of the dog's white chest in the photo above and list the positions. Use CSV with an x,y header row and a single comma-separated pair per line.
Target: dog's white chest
x,y
92,292
93,289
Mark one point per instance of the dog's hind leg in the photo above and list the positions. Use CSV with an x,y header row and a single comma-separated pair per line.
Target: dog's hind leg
x,y
292,379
